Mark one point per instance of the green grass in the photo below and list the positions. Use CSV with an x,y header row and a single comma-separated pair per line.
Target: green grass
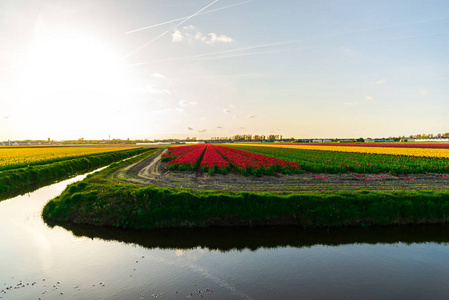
x,y
101,201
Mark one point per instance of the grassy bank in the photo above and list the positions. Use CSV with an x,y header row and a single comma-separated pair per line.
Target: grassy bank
x,y
15,180
101,201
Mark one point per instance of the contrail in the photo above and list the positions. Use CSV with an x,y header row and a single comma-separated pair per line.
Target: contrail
x,y
297,41
179,19
164,33
144,45
188,18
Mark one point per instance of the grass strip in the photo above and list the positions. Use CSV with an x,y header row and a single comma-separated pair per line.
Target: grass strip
x,y
100,201
13,181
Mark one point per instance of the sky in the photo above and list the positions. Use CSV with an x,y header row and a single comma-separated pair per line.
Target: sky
x,y
151,69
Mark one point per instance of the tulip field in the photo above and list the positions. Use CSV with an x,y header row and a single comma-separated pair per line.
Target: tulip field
x,y
336,159
219,159
262,159
17,157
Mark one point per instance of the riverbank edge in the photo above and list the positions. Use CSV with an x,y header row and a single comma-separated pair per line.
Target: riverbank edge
x,y
13,181
101,201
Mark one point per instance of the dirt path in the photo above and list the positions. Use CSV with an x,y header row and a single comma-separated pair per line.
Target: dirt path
x,y
153,171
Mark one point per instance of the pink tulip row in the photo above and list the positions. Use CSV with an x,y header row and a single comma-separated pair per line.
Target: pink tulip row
x,y
213,162
188,161
174,152
388,145
218,159
247,162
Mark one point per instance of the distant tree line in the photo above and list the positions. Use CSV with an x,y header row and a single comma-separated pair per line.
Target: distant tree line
x,y
429,136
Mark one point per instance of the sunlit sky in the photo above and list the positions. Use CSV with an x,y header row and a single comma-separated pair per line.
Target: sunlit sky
x,y
201,68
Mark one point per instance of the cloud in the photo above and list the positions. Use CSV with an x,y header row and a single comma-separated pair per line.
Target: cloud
x,y
158,76
423,92
241,127
382,81
355,103
6,116
214,38
204,130
190,128
347,51
232,106
185,103
177,36
156,91
219,127
250,116
191,34
226,111
369,98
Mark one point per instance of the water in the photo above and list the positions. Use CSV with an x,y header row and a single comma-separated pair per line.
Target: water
x,y
49,261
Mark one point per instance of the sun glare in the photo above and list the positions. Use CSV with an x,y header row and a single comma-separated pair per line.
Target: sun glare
x,y
65,77
70,64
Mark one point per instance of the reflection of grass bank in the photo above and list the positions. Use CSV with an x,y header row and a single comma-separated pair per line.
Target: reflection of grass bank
x,y
102,201
15,180
241,238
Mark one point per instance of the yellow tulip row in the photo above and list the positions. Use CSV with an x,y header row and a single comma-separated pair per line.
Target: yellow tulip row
x,y
20,156
419,152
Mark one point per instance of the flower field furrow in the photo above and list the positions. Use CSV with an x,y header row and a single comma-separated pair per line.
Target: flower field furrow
x,y
251,163
343,162
17,157
268,160
388,145
418,152
175,152
213,162
188,161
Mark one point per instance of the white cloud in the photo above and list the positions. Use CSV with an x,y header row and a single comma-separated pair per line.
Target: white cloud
x,y
200,37
156,91
177,36
219,127
190,128
188,33
158,76
423,92
355,103
226,111
6,116
232,106
382,81
369,98
214,38
347,51
250,116
204,130
185,103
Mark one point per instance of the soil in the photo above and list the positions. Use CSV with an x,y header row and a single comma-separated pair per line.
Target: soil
x,y
153,171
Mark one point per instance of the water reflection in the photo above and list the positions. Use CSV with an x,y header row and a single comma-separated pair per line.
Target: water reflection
x,y
238,238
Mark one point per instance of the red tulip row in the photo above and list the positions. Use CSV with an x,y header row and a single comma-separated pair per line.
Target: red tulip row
x,y
256,164
188,161
213,162
175,152
387,145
